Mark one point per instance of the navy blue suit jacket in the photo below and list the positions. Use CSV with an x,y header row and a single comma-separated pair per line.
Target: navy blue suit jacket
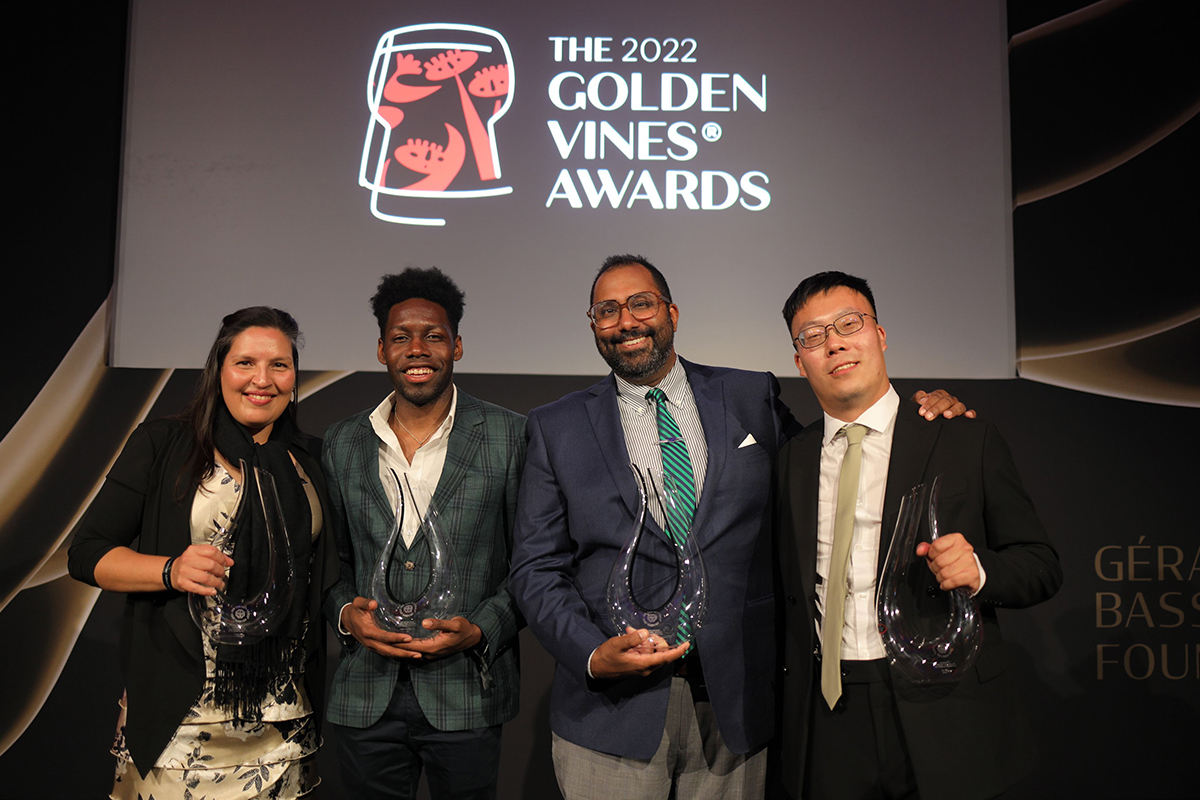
x,y
576,511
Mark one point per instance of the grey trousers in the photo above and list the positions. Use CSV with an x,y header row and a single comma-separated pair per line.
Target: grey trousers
x,y
691,758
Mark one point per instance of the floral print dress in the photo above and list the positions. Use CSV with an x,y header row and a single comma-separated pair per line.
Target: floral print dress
x,y
209,757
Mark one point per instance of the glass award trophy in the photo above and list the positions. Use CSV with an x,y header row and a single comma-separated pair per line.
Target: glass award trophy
x,y
677,619
439,598
245,619
923,651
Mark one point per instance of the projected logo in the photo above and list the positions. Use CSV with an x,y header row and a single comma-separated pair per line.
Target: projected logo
x,y
435,93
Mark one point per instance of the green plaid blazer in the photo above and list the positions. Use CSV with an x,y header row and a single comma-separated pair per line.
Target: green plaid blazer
x,y
476,497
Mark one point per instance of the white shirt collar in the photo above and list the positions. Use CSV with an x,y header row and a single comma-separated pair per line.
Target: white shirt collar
x,y
879,418
379,420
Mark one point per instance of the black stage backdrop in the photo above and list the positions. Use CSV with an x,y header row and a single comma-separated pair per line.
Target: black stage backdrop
x,y
1111,664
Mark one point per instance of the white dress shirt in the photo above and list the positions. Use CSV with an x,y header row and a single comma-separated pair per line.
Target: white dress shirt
x,y
423,472
860,633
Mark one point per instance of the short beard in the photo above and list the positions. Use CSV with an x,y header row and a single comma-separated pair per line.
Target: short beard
x,y
423,395
641,368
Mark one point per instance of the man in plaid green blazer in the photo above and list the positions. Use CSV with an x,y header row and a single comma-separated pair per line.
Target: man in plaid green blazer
x,y
404,703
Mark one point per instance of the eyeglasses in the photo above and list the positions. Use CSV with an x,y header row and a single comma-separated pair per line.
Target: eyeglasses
x,y
848,325
642,306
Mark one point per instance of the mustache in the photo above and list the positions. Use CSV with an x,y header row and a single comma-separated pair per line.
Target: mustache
x,y
636,334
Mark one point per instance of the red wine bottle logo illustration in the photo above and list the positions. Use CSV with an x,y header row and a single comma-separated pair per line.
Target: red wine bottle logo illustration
x,y
435,93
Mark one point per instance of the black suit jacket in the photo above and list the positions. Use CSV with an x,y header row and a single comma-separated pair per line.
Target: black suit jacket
x,y
967,739
162,656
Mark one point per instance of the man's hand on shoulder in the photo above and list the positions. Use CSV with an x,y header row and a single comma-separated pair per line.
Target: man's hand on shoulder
x,y
635,653
359,621
453,636
940,402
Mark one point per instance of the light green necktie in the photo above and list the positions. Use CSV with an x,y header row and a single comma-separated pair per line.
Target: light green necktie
x,y
836,587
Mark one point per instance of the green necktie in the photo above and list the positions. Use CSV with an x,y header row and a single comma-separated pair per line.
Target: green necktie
x,y
677,464
836,587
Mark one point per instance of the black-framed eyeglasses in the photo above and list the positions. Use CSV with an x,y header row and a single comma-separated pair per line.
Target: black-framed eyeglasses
x,y
846,325
642,306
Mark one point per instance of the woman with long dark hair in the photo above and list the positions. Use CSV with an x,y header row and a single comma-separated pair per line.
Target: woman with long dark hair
x,y
202,718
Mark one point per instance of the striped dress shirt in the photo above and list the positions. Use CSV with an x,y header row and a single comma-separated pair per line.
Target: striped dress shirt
x,y
639,419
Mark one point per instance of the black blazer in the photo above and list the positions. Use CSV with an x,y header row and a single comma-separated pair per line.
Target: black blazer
x,y
162,656
967,739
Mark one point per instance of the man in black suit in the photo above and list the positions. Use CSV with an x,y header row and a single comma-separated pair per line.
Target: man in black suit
x,y
857,729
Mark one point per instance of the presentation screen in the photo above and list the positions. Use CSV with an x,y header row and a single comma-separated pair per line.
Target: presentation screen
x,y
291,153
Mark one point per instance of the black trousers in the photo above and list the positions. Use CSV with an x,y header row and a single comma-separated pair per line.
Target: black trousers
x,y
857,750
384,761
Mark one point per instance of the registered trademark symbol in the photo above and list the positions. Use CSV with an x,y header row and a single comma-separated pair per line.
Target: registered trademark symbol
x,y
711,131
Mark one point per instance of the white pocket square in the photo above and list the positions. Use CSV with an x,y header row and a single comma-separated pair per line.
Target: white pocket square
x,y
749,440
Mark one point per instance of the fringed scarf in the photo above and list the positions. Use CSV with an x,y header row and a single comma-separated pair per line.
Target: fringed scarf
x,y
246,673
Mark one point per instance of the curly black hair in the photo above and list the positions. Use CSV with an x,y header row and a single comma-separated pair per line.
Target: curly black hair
x,y
428,284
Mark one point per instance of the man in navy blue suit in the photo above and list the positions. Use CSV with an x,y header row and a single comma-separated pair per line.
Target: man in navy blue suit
x,y
632,716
